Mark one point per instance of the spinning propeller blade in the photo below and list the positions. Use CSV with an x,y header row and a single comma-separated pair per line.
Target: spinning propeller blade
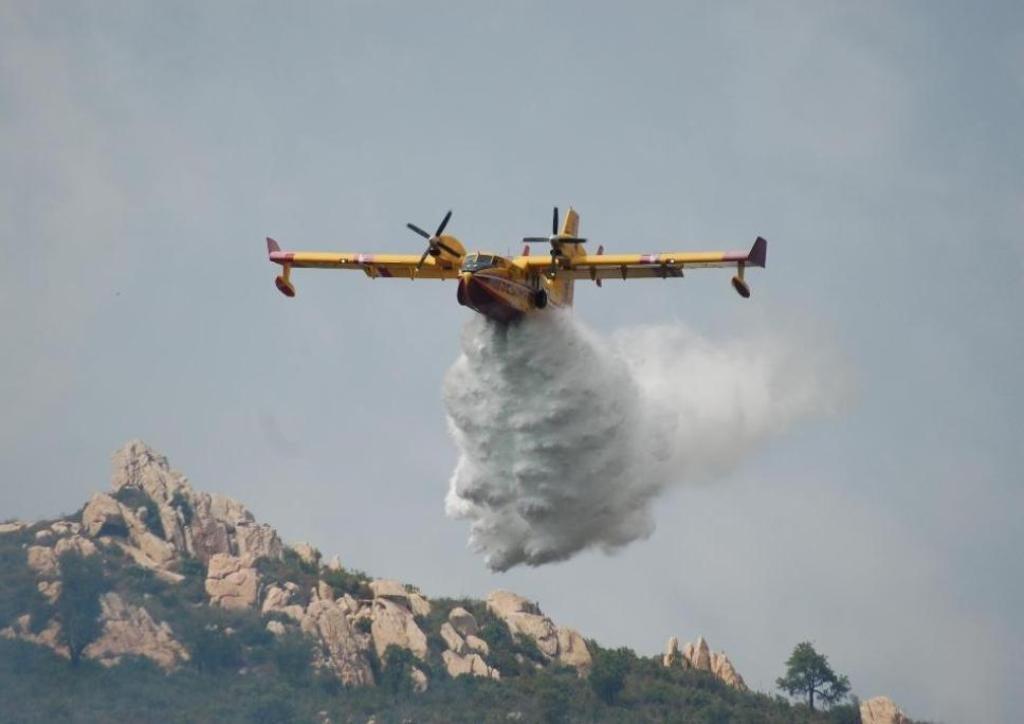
x,y
434,243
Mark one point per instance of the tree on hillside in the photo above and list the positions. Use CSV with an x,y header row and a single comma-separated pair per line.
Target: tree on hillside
x,y
809,675
78,605
608,674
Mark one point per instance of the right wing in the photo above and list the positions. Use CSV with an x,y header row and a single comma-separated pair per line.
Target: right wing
x,y
400,266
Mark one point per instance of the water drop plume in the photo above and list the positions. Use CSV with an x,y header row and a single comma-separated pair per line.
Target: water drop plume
x,y
565,436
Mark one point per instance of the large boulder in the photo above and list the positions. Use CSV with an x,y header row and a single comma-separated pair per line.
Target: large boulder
x,y
156,548
452,639
477,644
394,625
307,553
672,655
137,465
463,621
722,668
572,650
524,619
258,540
420,683
468,665
232,582
699,654
399,593
75,544
42,560
131,631
15,526
341,648
65,527
102,515
279,600
881,710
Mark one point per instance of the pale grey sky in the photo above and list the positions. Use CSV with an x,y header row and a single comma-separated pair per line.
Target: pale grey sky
x,y
147,148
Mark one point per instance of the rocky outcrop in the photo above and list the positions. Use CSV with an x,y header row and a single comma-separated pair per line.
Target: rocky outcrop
x,y
463,621
102,514
419,680
400,594
280,600
881,710
572,650
722,668
394,625
15,526
258,540
452,639
468,665
131,631
672,655
478,645
232,582
341,649
307,554
42,560
63,528
74,544
523,618
48,637
50,589
193,523
698,655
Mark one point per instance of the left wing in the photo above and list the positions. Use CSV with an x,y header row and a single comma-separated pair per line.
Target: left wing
x,y
663,265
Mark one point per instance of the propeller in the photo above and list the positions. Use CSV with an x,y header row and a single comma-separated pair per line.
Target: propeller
x,y
555,240
434,244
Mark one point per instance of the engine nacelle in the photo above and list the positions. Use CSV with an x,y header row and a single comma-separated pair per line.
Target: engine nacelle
x,y
448,249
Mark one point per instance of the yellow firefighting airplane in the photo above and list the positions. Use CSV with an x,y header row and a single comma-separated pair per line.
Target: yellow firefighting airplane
x,y
505,289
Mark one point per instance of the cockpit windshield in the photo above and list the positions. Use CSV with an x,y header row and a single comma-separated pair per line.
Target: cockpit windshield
x,y
476,262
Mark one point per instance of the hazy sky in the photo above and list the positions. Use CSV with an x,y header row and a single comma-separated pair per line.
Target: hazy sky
x,y
147,148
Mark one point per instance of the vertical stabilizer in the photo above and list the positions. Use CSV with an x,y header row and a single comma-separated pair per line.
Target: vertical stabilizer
x,y
571,223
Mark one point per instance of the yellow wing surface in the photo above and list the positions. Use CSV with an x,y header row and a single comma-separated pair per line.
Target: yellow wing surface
x,y
407,266
665,264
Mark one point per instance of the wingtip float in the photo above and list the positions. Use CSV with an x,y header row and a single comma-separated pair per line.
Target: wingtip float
x,y
505,288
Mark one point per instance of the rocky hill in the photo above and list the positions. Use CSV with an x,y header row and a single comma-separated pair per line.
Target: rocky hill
x,y
159,602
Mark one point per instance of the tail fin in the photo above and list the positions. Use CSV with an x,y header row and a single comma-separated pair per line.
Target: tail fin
x,y
272,246
758,253
570,224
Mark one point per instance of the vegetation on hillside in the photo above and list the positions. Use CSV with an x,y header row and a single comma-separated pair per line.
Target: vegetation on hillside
x,y
240,672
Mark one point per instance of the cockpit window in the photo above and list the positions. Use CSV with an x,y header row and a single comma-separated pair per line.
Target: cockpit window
x,y
476,262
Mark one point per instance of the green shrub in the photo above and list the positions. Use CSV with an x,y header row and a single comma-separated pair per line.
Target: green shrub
x,y
608,675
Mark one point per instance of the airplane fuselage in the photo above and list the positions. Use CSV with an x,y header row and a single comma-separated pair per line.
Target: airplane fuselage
x,y
500,289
